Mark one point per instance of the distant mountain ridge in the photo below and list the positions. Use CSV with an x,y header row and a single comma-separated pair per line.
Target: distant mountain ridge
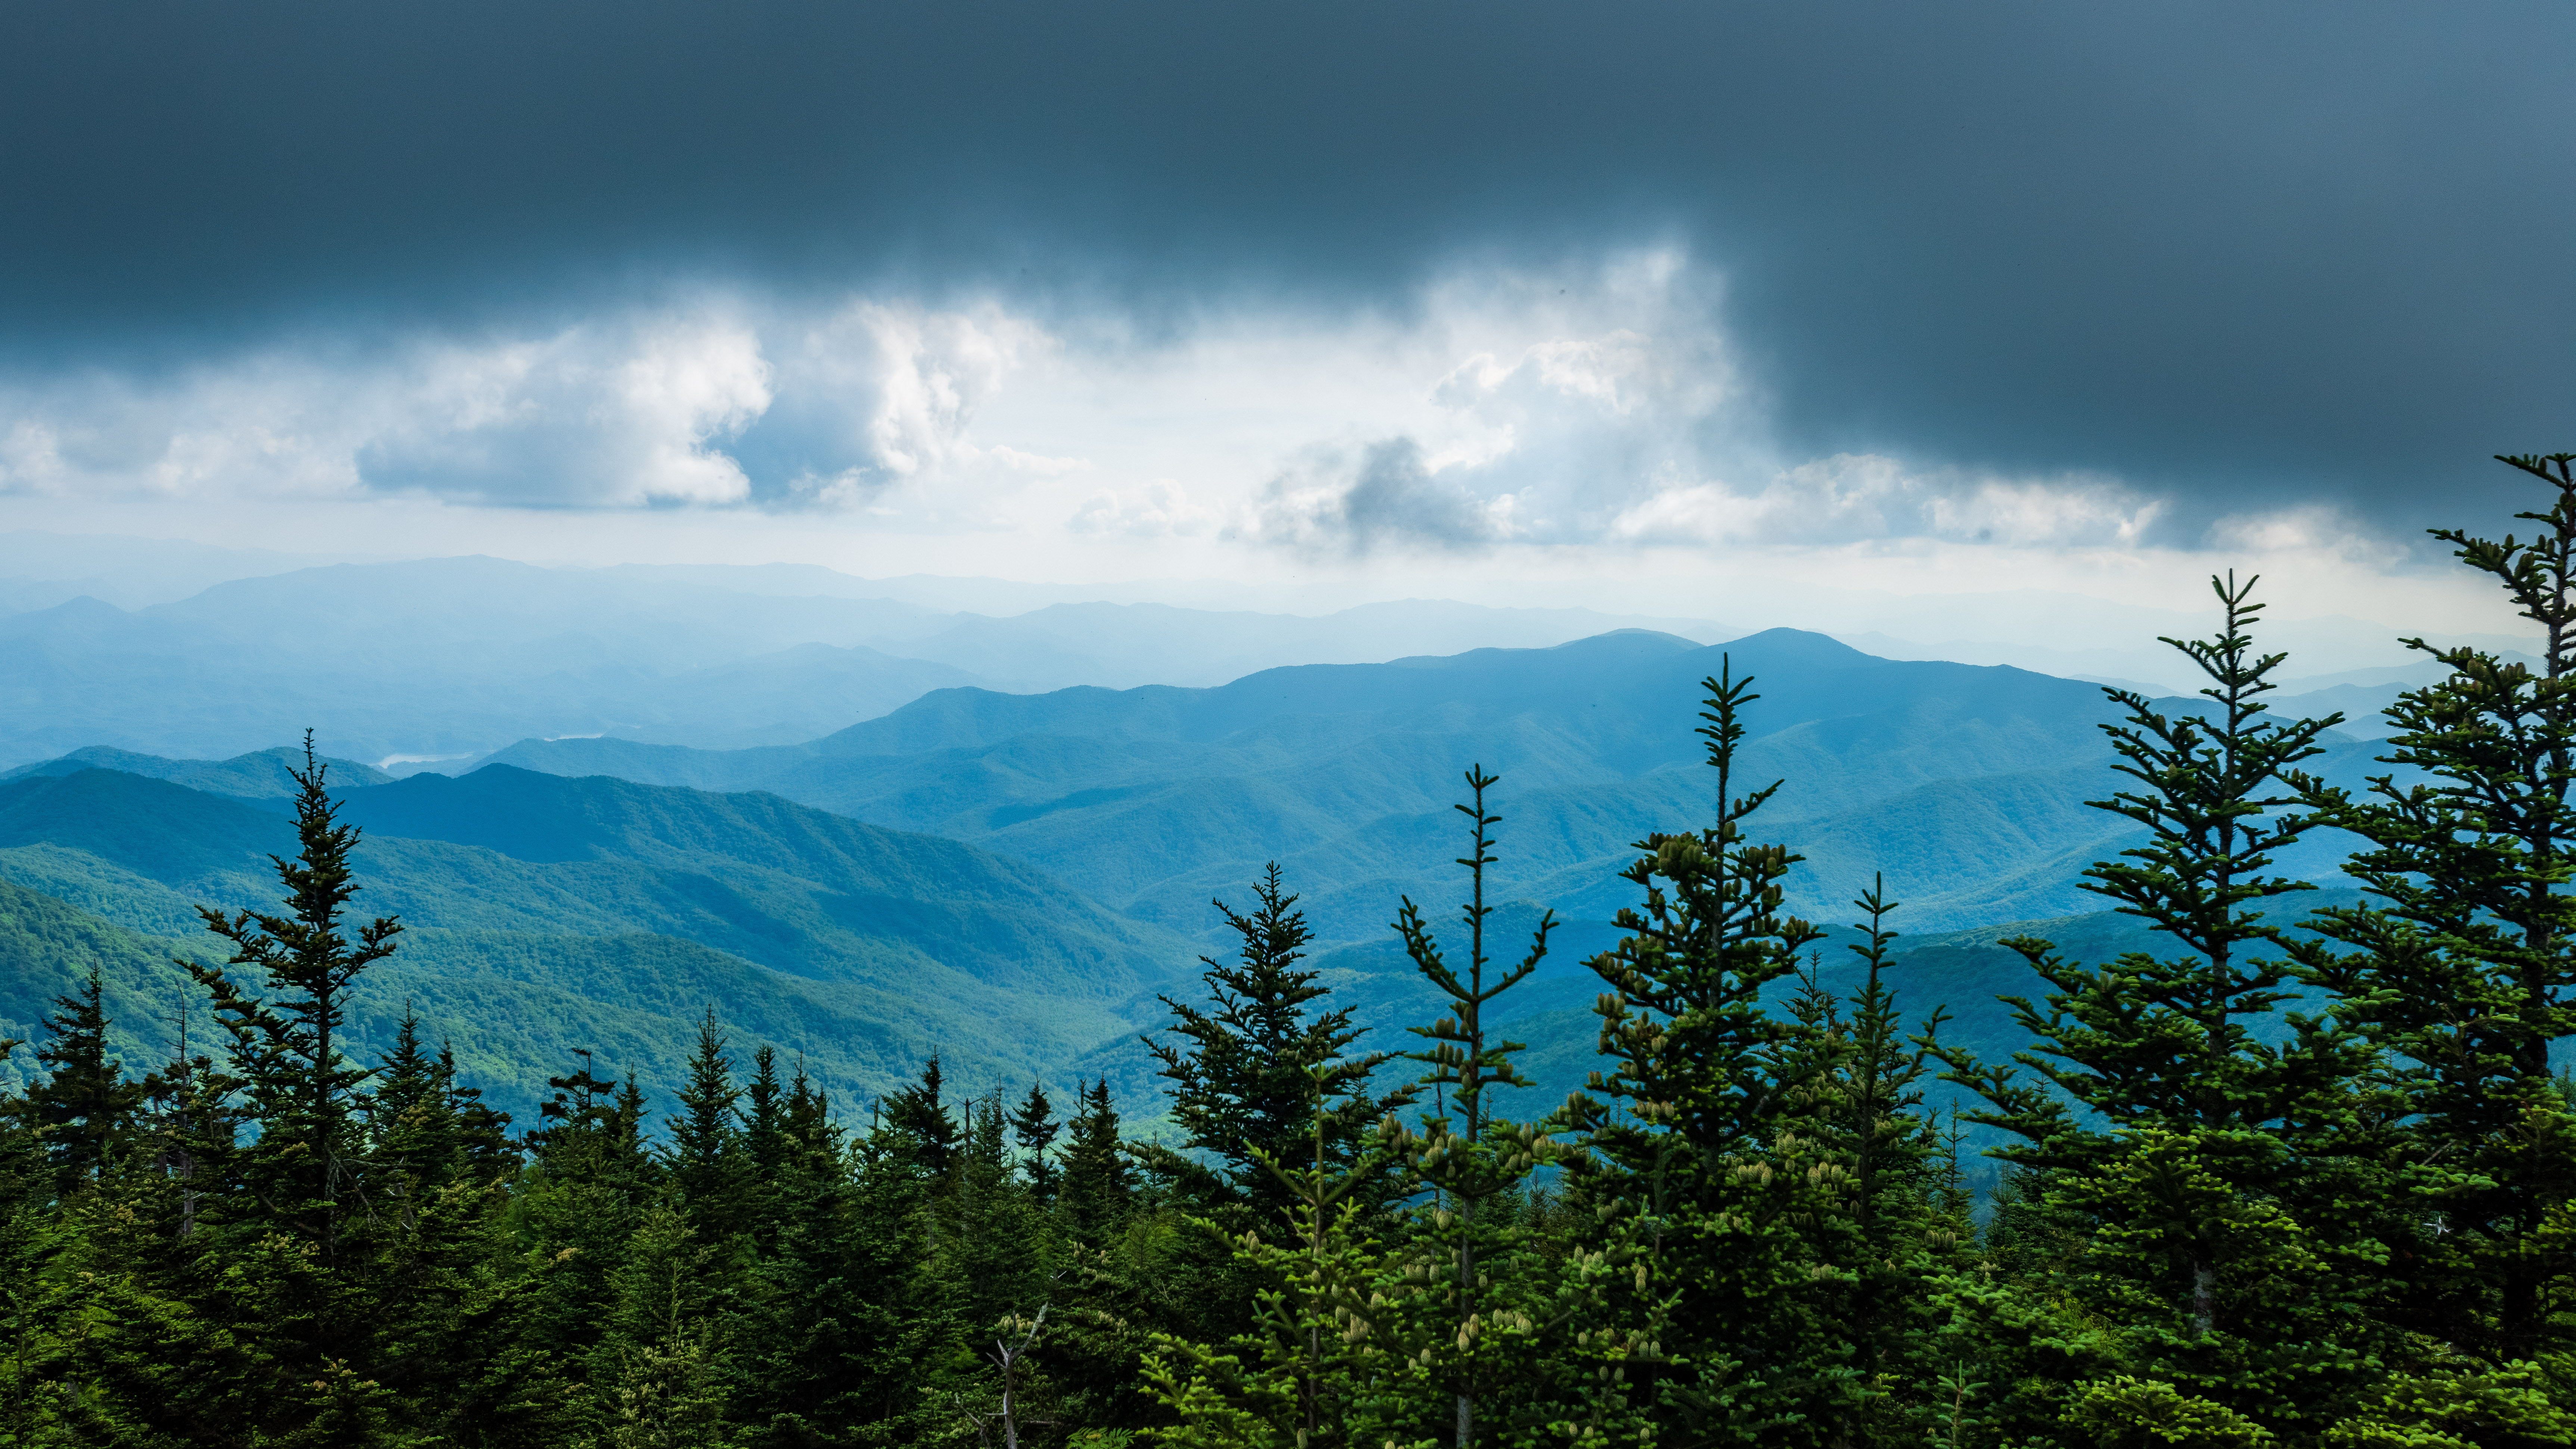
x,y
1964,784
442,659
258,774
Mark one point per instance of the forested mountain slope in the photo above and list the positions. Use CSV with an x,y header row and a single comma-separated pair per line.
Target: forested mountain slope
x,y
549,914
1964,784
585,909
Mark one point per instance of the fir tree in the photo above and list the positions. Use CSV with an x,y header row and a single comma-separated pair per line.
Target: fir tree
x,y
85,1106
705,1158
1906,1216
2462,971
2219,1198
918,1115
286,1047
1502,1330
412,1124
766,1146
993,1247
1241,1069
1695,1161
1305,1373
1035,1128
1097,1194
483,1133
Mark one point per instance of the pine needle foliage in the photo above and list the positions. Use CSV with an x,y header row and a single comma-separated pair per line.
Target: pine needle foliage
x,y
1241,1067
285,1046
2461,968
2214,1161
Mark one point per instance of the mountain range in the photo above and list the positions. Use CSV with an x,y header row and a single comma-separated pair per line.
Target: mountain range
x,y
546,915
1012,880
442,659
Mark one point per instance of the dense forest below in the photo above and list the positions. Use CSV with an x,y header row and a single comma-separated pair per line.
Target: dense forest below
x,y
2311,1186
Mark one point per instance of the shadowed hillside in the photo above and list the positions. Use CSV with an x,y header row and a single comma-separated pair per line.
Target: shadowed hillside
x,y
1964,784
594,913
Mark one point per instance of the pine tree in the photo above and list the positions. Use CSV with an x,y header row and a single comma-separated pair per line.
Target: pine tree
x,y
1241,1070
1503,1331
2225,1223
286,1047
1035,1128
1097,1194
1695,1160
918,1115
706,1158
2462,971
84,1108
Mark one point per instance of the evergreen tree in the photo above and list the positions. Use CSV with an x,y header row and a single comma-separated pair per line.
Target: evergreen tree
x,y
2225,1220
85,1106
1696,1162
483,1134
1241,1070
589,1181
1097,1194
1501,1330
412,1125
993,1248
1310,1371
921,1118
2462,971
665,1364
766,1146
1036,1129
286,1047
1905,1219
706,1157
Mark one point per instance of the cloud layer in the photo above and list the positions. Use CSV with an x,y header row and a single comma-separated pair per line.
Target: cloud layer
x,y
2302,254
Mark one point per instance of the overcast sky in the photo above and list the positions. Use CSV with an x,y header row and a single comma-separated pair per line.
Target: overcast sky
x,y
1419,297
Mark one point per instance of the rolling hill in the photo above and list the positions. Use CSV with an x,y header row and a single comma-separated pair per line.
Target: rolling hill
x,y
547,914
1010,879
1963,784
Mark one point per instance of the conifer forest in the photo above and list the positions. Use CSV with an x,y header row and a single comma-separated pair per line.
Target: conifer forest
x,y
2299,1177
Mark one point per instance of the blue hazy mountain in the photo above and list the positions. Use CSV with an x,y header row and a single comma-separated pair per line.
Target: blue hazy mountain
x,y
1009,879
442,659
1964,785
548,914
260,774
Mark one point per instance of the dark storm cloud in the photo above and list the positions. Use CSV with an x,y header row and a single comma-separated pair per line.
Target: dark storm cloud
x,y
2243,254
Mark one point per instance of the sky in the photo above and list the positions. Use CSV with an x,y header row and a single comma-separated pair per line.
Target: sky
x,y
1731,310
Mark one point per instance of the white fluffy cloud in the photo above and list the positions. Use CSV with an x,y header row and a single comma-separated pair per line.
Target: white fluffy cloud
x,y
1595,406
710,405
1862,496
1161,509
596,416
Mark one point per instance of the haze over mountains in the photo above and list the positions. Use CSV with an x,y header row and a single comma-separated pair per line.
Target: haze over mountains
x,y
179,650
1011,880
865,821
447,658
